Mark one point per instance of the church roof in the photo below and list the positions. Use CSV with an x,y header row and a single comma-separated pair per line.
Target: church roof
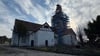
x,y
34,27
69,31
29,25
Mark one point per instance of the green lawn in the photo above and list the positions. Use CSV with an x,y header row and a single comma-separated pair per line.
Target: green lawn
x,y
71,50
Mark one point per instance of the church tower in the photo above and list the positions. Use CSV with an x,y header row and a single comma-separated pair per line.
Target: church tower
x,y
59,23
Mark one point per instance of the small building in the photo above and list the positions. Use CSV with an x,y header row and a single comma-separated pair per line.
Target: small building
x,y
3,39
69,37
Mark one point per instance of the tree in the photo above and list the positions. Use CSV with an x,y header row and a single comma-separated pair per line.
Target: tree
x,y
93,30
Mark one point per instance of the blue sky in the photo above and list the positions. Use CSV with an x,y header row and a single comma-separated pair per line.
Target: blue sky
x,y
40,11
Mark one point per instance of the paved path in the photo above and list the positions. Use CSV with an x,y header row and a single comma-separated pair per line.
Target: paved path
x,y
23,52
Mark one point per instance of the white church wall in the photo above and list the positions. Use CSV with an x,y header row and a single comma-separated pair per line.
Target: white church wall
x,y
23,41
42,36
69,40
31,37
28,40
74,40
14,40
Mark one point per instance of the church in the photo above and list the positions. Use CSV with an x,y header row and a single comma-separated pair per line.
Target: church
x,y
43,35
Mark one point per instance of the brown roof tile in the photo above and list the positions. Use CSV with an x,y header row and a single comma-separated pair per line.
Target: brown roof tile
x,y
69,31
34,27
29,26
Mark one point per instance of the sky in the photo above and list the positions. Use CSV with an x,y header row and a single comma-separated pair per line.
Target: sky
x,y
40,11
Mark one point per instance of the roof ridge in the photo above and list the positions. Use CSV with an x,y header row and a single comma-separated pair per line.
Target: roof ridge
x,y
26,21
29,25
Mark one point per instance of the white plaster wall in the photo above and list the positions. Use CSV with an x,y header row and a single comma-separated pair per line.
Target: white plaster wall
x,y
31,37
14,40
45,35
28,39
75,40
26,43
69,40
39,39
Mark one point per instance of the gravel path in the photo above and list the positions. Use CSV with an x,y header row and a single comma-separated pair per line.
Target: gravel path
x,y
9,51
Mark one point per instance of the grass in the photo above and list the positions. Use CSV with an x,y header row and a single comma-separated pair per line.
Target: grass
x,y
2,49
86,51
6,50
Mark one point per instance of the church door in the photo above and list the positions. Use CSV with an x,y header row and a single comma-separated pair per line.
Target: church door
x,y
32,42
46,43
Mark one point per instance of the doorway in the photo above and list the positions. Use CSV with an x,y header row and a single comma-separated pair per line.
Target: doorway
x,y
32,42
46,43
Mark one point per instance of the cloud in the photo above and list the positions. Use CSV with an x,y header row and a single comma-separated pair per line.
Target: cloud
x,y
40,11
79,11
